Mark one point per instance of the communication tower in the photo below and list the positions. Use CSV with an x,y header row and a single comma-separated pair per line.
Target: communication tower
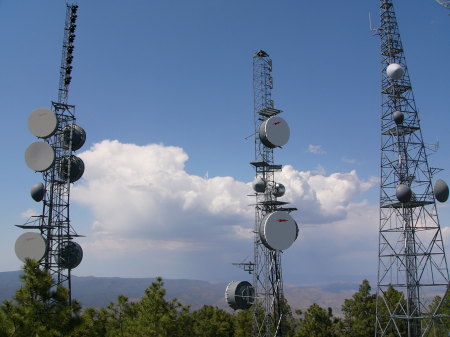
x,y
411,251
444,3
274,229
53,155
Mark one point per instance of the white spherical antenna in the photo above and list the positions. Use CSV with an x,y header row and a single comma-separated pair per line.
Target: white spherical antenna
x,y
69,255
259,185
39,156
279,190
395,71
441,190
274,132
278,230
30,246
240,295
37,192
42,123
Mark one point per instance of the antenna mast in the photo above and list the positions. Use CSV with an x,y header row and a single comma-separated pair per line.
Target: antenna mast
x,y
411,251
53,156
274,230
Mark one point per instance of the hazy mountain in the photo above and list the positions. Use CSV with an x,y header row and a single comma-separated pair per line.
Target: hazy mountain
x,y
100,291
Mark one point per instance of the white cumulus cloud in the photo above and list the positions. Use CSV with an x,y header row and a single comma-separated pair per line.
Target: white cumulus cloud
x,y
144,201
316,149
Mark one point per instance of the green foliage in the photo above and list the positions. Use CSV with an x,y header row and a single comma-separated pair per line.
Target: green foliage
x,y
243,320
37,309
392,303
212,322
439,310
317,322
359,313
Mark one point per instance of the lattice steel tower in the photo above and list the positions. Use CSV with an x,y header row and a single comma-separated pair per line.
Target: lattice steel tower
x,y
53,155
411,251
274,229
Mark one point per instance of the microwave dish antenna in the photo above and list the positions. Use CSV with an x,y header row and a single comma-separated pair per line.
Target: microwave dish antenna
x,y
53,155
274,228
411,255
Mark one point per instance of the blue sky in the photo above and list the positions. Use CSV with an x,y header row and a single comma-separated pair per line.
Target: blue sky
x,y
164,92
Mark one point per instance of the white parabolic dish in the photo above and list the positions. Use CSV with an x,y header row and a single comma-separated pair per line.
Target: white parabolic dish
x,y
39,156
30,245
278,230
42,123
274,132
395,71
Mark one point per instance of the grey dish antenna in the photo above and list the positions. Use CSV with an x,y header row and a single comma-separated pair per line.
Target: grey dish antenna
x,y
441,191
30,245
37,192
42,123
274,132
75,133
403,193
239,295
398,117
72,164
259,185
278,230
69,255
279,190
39,156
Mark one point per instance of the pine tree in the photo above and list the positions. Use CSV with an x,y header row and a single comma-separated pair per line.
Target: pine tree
x,y
317,322
359,312
211,321
37,309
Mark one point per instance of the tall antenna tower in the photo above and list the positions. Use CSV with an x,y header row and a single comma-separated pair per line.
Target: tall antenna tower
x,y
411,251
445,3
53,155
274,230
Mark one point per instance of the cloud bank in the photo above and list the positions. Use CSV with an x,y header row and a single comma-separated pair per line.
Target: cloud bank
x,y
143,200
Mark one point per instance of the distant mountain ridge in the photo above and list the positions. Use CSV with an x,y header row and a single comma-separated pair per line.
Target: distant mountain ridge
x,y
99,291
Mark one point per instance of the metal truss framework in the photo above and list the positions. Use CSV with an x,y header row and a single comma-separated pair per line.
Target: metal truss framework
x,y
267,273
411,251
54,222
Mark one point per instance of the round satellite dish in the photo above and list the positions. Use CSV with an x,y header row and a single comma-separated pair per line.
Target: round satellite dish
x,y
30,246
279,190
403,193
395,71
441,190
69,255
274,132
42,123
39,156
78,137
278,230
398,117
239,295
259,185
76,166
37,192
